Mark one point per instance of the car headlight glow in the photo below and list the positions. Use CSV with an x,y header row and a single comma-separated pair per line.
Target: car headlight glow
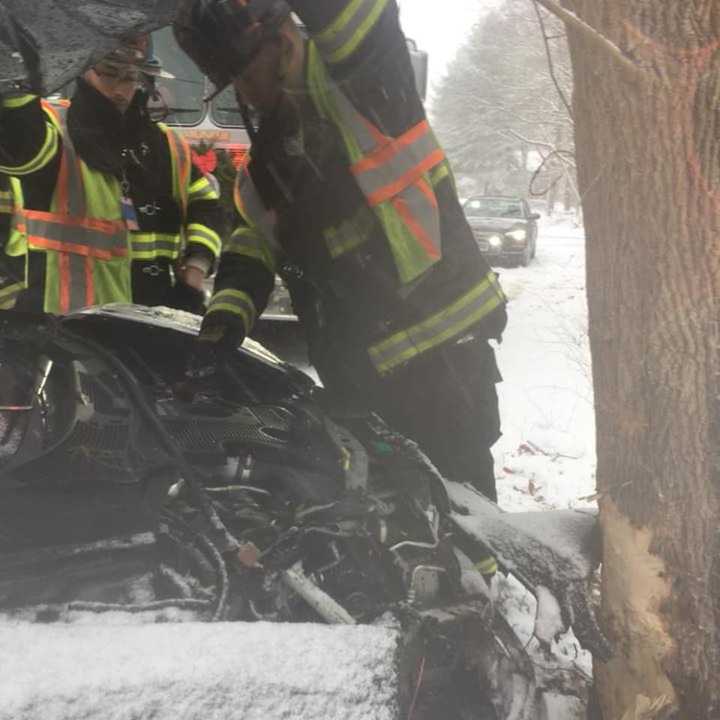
x,y
518,235
495,241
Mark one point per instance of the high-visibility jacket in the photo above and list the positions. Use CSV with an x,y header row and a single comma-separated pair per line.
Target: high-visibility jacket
x,y
355,203
12,261
88,251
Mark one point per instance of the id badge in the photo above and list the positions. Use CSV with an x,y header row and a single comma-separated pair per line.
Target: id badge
x,y
128,213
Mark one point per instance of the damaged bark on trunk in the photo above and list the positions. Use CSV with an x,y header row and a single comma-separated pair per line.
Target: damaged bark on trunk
x,y
648,143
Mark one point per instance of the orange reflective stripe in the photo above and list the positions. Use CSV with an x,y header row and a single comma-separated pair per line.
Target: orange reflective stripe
x,y
426,189
182,159
89,282
105,227
409,178
400,204
64,281
387,152
65,248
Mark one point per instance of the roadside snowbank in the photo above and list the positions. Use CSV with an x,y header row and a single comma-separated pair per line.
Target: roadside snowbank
x,y
222,671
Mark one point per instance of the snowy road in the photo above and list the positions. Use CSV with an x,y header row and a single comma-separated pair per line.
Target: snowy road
x,y
546,457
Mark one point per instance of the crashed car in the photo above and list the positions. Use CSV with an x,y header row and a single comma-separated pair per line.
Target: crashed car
x,y
504,228
138,476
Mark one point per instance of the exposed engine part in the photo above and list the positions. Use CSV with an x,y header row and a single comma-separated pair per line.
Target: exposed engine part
x,y
320,601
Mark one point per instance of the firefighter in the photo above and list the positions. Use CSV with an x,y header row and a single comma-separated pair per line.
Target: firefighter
x,y
347,194
112,208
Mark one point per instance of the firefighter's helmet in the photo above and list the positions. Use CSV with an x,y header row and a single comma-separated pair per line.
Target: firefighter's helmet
x,y
223,36
138,52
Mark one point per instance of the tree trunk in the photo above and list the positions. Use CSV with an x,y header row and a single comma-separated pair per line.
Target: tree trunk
x,y
647,146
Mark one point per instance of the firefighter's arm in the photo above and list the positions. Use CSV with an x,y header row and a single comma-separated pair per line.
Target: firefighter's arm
x,y
243,285
346,31
204,230
29,138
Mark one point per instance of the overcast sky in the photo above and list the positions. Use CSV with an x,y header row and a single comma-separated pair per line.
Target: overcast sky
x,y
440,28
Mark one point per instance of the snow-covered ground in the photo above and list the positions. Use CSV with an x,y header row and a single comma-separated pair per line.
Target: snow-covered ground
x,y
546,457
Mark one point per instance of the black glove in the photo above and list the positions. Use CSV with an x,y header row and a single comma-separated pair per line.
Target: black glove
x,y
223,331
183,297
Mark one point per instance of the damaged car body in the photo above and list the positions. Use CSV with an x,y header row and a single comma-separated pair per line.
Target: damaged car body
x,y
231,491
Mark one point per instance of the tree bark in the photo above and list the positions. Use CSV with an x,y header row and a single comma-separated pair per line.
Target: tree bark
x,y
647,149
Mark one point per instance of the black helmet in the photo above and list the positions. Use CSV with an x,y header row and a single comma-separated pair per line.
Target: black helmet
x,y
223,36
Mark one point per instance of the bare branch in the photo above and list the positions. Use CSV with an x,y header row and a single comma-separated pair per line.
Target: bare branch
x,y
590,33
551,63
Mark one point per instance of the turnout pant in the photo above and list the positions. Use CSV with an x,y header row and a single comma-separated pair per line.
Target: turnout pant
x,y
444,400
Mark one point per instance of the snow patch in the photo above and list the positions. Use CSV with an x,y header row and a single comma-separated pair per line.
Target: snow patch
x,y
223,671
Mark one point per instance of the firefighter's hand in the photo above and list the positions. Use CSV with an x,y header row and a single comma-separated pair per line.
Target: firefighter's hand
x,y
191,275
222,331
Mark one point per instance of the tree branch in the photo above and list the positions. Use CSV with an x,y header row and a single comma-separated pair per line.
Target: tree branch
x,y
590,33
551,64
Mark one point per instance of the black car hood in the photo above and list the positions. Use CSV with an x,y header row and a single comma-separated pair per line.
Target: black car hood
x,y
496,224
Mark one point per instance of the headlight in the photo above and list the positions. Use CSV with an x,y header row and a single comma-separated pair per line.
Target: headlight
x,y
494,241
518,235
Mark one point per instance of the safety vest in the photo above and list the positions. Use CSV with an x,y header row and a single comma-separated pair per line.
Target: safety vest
x,y
86,243
396,176
13,261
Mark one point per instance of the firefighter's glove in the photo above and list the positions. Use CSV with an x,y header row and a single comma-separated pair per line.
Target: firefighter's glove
x,y
184,297
222,331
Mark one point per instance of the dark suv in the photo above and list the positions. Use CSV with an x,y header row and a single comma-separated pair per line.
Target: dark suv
x,y
504,227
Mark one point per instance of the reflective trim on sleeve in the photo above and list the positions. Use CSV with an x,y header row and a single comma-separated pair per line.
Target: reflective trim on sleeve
x,y
202,189
487,566
203,235
346,33
18,101
46,154
250,242
236,302
9,294
450,322
149,246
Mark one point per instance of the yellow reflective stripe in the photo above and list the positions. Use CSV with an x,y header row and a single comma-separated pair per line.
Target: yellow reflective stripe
x,y
250,242
149,246
202,189
7,203
13,290
236,302
439,173
203,235
47,153
13,103
351,233
487,566
440,327
345,34
9,295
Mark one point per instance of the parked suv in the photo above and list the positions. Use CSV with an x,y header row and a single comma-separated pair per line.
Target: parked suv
x,y
504,227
